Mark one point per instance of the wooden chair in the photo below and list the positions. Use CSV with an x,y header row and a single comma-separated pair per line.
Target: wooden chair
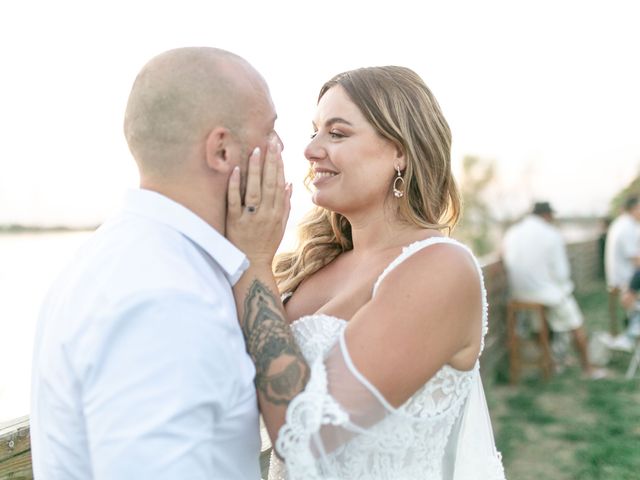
x,y
614,299
515,343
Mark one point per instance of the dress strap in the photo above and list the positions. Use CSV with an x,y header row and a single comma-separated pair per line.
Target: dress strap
x,y
409,250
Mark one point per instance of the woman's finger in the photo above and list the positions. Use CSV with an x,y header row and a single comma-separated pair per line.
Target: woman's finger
x,y
252,196
234,202
280,186
270,172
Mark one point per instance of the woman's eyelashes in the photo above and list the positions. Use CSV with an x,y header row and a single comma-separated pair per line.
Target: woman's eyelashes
x,y
333,134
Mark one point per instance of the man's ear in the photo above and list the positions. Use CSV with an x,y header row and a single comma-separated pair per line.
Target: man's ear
x,y
219,148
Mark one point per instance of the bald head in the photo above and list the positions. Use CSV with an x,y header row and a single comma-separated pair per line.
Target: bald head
x,y
179,97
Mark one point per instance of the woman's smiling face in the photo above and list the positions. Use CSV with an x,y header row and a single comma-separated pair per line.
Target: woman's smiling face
x,y
353,166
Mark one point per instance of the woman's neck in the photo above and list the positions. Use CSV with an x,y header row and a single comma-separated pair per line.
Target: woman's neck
x,y
377,232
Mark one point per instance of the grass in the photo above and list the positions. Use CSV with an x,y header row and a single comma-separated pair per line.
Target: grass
x,y
571,428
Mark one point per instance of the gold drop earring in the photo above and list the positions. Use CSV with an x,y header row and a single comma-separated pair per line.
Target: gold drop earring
x,y
398,182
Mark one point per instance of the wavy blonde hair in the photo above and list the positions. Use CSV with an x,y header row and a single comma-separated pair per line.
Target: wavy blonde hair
x,y
402,109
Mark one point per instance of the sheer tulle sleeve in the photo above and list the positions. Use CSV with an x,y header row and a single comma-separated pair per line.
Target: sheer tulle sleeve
x,y
337,404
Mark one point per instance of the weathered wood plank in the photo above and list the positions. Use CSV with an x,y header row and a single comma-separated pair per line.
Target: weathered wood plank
x,y
15,450
14,424
17,468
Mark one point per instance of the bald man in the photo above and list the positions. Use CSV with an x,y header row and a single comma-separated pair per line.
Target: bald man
x,y
140,369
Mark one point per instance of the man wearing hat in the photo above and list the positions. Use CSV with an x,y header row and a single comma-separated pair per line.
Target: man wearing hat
x,y
538,271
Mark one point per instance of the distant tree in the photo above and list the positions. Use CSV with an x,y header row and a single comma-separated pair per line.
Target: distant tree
x,y
476,224
618,201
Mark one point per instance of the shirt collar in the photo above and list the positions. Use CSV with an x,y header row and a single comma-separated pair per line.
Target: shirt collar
x,y
161,209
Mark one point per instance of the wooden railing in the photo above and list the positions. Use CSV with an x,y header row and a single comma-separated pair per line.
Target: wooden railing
x,y
585,258
15,450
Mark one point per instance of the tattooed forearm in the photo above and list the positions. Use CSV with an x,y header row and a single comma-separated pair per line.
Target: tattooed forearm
x,y
281,370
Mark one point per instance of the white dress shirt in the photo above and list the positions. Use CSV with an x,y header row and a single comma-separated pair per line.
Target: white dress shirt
x,y
621,248
535,258
140,369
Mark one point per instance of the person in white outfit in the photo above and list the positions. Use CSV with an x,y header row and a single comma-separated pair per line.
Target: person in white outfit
x,y
622,259
622,246
631,302
370,368
538,271
140,369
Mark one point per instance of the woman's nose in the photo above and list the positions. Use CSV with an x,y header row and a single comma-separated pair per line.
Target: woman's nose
x,y
314,150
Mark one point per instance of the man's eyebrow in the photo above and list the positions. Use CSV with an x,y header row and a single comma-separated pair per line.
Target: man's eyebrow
x,y
333,121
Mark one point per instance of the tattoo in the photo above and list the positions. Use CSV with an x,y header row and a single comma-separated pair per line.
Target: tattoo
x,y
281,370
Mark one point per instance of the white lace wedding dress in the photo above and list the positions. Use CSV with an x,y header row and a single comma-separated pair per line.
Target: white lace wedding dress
x,y
340,426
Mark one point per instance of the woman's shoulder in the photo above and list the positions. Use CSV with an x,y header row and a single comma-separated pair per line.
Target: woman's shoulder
x,y
434,258
436,246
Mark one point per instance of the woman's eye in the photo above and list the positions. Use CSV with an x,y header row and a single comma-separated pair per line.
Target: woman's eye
x,y
332,134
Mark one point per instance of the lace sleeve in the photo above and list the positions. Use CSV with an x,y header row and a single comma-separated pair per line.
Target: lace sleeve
x,y
336,405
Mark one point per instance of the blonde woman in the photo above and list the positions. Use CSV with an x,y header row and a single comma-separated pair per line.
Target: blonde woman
x,y
369,369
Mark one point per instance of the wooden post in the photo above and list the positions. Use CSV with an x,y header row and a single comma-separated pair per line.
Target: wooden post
x,y
614,294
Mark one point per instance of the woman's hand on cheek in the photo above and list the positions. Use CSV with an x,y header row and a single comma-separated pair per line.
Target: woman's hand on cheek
x,y
256,225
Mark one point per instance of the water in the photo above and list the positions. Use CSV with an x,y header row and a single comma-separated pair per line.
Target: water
x,y
29,262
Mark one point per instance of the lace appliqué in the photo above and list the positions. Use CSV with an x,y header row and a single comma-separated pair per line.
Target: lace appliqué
x,y
316,334
446,388
306,413
410,442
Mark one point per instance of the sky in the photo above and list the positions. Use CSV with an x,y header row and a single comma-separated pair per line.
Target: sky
x,y
548,90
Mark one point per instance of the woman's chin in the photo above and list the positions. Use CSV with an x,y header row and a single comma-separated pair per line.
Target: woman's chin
x,y
327,205
315,199
320,200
